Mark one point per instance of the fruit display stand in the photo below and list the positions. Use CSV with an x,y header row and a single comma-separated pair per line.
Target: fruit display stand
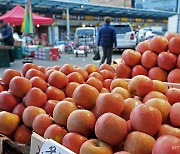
x,y
7,146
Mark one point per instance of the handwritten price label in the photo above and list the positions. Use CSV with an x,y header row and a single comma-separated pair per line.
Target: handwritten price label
x,y
52,147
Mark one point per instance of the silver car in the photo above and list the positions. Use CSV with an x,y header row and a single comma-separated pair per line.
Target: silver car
x,y
125,36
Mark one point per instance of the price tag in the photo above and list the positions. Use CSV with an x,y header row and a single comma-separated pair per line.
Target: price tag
x,y
52,147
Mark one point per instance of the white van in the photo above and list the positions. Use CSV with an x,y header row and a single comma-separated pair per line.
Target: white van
x,y
86,36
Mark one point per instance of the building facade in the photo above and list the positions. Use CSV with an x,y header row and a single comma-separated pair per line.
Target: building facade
x,y
161,5
117,3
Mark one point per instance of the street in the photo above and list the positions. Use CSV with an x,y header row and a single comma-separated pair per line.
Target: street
x,y
65,58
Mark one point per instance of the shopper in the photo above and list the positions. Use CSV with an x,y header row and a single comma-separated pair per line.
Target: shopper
x,y
106,39
7,37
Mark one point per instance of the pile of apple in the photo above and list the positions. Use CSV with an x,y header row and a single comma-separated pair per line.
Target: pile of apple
x,y
158,59
90,110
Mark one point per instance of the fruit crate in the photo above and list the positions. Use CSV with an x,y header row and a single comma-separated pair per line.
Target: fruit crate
x,y
18,52
7,146
37,142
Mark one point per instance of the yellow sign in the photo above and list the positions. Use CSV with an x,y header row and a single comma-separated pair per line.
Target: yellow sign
x,y
124,19
138,19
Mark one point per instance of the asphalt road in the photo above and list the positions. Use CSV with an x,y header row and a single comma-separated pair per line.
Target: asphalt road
x,y
65,59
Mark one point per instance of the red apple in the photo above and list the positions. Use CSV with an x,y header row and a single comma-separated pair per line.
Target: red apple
x,y
131,57
95,146
139,143
19,109
146,119
139,70
49,107
41,123
23,135
116,101
62,111
158,44
149,59
167,144
129,104
143,46
174,76
140,85
175,114
168,130
178,62
7,101
162,105
55,132
73,141
173,95
123,71
157,73
111,129
81,122
166,60
174,45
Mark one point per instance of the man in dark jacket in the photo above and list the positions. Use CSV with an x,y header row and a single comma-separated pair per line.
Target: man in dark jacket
x,y
106,39
7,37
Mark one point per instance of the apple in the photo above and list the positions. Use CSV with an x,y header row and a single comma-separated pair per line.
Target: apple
x,y
143,46
49,107
168,130
158,44
94,146
160,86
55,132
73,141
146,119
178,62
139,143
81,122
174,45
8,75
23,135
41,123
122,91
116,101
111,129
173,95
149,59
129,104
62,111
175,114
139,70
166,60
7,101
140,85
123,71
131,57
162,105
166,144
154,94
157,73
30,114
8,122
19,109
174,76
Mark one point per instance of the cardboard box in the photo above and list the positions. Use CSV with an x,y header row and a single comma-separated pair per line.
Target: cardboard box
x,y
17,43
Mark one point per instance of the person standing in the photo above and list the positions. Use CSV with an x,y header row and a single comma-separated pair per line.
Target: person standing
x,y
106,39
7,37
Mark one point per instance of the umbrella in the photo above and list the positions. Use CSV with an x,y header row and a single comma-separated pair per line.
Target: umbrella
x,y
28,25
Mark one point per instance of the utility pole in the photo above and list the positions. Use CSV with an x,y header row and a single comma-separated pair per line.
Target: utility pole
x,y
68,23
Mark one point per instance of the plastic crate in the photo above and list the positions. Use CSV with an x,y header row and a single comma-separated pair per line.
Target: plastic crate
x,y
18,52
4,63
4,54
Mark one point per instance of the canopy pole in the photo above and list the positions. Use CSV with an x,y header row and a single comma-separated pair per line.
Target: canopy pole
x,y
68,23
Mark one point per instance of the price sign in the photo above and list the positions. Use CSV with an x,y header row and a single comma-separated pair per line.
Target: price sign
x,y
52,147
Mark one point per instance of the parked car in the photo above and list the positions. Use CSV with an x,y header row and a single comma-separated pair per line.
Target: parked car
x,y
125,35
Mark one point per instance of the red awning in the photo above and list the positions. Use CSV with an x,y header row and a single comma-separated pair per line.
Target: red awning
x,y
16,15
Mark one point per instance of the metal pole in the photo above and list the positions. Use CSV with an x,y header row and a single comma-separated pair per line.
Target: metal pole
x,y
68,23
178,13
